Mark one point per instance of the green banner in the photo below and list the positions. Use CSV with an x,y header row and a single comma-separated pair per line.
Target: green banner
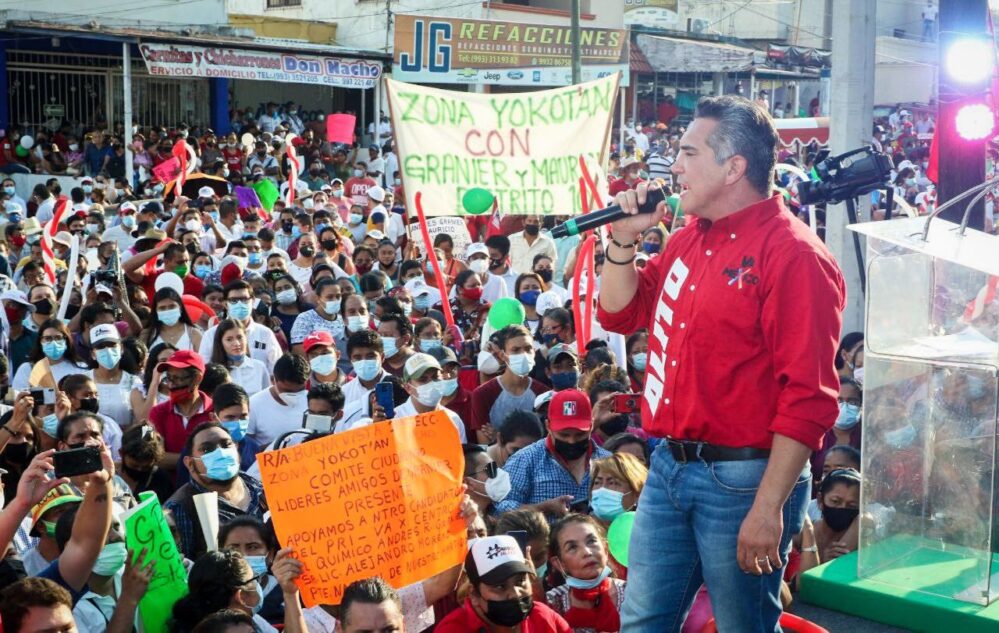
x,y
146,527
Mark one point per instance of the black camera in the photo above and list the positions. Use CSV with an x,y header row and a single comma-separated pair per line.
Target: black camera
x,y
107,277
846,176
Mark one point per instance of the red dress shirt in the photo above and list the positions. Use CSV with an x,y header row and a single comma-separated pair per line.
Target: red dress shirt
x,y
744,316
170,424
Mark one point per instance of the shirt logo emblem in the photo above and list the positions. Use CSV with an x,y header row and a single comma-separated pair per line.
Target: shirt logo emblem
x,y
742,274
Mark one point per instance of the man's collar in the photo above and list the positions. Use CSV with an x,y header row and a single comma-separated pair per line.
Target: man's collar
x,y
747,218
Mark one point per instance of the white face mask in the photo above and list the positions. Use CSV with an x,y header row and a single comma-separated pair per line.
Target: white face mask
x,y
430,394
192,225
479,266
498,487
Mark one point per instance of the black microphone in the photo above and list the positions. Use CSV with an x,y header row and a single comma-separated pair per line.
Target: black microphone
x,y
600,217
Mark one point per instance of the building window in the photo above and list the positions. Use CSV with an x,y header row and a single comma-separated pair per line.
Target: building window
x,y
276,4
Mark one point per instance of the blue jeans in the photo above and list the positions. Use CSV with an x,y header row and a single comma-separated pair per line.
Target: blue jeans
x,y
686,533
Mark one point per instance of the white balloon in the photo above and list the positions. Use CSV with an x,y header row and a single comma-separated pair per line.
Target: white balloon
x,y
27,142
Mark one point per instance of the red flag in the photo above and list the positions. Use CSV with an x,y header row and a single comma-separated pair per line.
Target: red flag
x,y
48,257
932,169
180,153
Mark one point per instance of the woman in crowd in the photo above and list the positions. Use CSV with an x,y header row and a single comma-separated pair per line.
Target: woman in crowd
x,y
630,444
54,344
846,431
519,429
154,388
527,289
288,301
850,356
616,484
838,531
114,385
171,323
258,545
468,307
452,265
534,526
637,348
231,350
19,444
653,241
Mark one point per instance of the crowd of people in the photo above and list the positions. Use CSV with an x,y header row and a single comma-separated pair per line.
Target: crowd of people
x,y
192,333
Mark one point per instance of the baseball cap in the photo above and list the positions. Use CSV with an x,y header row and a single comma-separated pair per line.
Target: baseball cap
x,y
125,207
103,332
546,301
374,147
417,365
336,181
558,350
321,337
376,235
17,296
376,193
103,289
417,287
182,359
86,179
58,496
444,356
206,192
476,248
543,399
493,559
628,161
12,207
570,409
63,237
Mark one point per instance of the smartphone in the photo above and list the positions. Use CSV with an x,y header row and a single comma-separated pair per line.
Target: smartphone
x,y
579,505
318,423
385,397
627,403
77,461
521,537
43,396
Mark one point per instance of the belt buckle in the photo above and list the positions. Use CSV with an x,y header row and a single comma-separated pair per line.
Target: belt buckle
x,y
683,451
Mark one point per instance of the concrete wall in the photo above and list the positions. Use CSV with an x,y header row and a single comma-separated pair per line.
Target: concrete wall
x,y
123,12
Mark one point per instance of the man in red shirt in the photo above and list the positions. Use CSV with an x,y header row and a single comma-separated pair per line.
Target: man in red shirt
x,y
358,184
629,179
501,596
744,309
176,260
188,406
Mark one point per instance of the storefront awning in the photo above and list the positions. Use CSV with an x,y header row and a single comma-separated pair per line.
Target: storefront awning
x,y
638,62
803,131
676,55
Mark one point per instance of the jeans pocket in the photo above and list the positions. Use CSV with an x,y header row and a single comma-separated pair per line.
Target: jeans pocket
x,y
739,477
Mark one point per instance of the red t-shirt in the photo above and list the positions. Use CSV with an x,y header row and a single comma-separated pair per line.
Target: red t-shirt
x,y
621,184
485,396
744,318
233,157
192,285
357,189
6,147
170,424
542,619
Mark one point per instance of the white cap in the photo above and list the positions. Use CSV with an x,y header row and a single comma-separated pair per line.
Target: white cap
x,y
12,207
543,399
546,301
376,193
417,287
376,235
126,206
206,192
476,248
493,559
63,237
904,164
17,296
168,279
103,332
417,364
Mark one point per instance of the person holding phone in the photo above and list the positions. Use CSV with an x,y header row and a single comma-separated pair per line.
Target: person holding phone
x,y
421,377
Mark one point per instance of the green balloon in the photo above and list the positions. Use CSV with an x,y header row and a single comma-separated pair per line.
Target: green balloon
x,y
506,311
619,535
21,151
477,201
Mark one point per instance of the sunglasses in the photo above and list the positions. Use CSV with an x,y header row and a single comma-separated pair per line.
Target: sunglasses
x,y
491,470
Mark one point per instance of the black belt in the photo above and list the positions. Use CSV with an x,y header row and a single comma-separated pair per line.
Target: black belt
x,y
686,451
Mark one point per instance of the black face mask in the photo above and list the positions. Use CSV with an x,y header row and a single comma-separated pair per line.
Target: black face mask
x,y
89,404
546,275
43,306
571,451
19,453
71,311
615,425
839,518
192,249
262,153
495,263
138,474
532,229
509,612
307,251
328,245
287,226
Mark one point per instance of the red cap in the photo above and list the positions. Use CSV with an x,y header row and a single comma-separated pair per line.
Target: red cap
x,y
321,337
570,409
182,359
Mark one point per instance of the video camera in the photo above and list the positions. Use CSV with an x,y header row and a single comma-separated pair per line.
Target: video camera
x,y
846,176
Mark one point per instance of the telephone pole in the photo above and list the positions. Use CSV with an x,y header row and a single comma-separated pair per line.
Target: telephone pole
x,y
577,63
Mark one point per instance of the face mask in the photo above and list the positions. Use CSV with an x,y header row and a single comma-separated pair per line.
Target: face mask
x,y
479,266
510,612
858,375
530,297
639,360
109,358
169,317
192,225
390,347
201,270
128,221
328,245
111,560
332,307
571,450
287,296
257,563
607,504
43,306
521,364
17,454
355,218
428,345
546,275
422,303
367,370
498,487
88,188
93,229
237,428
976,387
255,259
488,364
651,248
472,294
222,464
362,269
407,308
181,395
239,310
578,583
430,394
532,229
357,323
449,386
50,424
181,271
550,339
849,416
615,425
839,519
901,438
307,251
564,380
54,350
358,173
910,181
323,365
73,147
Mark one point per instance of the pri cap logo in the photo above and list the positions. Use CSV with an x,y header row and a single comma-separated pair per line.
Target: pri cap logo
x,y
569,409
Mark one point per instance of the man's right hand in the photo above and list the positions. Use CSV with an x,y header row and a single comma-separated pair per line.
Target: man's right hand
x,y
629,229
557,507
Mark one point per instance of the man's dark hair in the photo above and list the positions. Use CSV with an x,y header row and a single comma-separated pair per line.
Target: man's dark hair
x,y
227,395
560,316
364,338
519,424
367,591
62,431
234,244
390,305
227,207
222,621
408,265
744,129
328,391
511,331
605,386
189,442
215,376
292,369
500,243
402,323
19,598
238,284
371,282
89,314
171,252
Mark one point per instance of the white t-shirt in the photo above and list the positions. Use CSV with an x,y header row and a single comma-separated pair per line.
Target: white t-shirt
x,y
407,408
262,342
930,13
300,273
251,375
269,418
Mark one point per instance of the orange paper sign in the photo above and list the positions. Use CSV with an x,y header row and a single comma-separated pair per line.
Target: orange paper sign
x,y
381,500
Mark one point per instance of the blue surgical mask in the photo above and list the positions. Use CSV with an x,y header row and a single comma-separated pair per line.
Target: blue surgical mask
x,y
367,370
222,464
428,345
236,358
356,218
9,190
578,583
449,386
257,563
237,428
650,248
422,303
214,215
323,365
296,232
902,437
529,297
565,380
111,560
849,416
239,310
255,259
169,317
521,364
109,357
54,350
357,323
50,424
201,270
88,188
606,504
128,221
640,360
391,349
543,570
332,307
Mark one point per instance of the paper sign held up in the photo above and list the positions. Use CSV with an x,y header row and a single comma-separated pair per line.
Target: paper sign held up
x,y
340,128
381,500
167,170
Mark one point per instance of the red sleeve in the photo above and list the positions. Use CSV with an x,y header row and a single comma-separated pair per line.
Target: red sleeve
x,y
801,320
638,313
156,419
482,400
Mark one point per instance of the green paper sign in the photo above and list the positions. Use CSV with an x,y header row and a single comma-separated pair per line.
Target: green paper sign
x,y
267,191
146,527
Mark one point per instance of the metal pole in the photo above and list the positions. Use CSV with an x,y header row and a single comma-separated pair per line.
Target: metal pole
x,y
126,88
577,62
634,99
621,106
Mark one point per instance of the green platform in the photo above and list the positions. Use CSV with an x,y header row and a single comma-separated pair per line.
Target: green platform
x,y
903,594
